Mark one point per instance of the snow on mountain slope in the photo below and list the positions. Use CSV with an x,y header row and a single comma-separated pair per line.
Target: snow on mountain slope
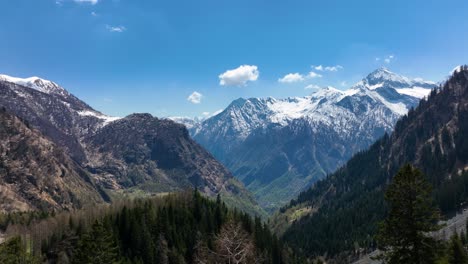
x,y
187,121
328,106
53,89
382,87
57,113
36,83
107,119
138,151
332,124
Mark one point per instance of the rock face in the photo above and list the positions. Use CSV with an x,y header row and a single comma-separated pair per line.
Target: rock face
x,y
37,174
431,137
136,152
280,147
142,149
54,111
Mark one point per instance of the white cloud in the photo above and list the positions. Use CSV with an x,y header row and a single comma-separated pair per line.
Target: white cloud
x,y
312,87
377,59
314,75
239,76
94,14
291,78
328,68
334,68
118,29
205,113
195,98
93,2
389,59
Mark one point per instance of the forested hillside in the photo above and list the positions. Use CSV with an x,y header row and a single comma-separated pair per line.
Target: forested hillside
x,y
177,228
341,212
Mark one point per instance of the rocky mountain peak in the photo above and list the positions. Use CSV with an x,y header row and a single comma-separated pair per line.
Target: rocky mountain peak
x,y
36,83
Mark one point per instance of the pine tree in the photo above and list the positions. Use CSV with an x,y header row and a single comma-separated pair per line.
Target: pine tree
x,y
457,254
97,246
403,235
13,252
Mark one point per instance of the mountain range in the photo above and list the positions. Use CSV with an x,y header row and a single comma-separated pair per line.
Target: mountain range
x,y
100,152
341,212
279,147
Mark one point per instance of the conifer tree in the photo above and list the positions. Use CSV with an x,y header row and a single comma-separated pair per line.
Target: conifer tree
x,y
457,254
13,252
97,246
404,235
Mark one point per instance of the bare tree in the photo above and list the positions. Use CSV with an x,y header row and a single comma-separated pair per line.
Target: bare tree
x,y
234,245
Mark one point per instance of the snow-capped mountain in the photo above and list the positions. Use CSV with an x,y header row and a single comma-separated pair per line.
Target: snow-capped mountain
x,y
46,105
332,125
53,89
35,83
188,122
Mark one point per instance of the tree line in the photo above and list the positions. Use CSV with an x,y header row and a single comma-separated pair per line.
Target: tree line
x,y
177,228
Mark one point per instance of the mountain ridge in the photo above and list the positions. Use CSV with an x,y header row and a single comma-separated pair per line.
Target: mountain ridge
x,y
336,124
79,129
431,137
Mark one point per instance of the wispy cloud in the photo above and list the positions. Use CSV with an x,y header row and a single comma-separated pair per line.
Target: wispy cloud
x,y
239,76
312,87
93,2
118,29
334,68
328,68
344,83
313,75
386,59
94,14
389,59
318,68
291,78
195,98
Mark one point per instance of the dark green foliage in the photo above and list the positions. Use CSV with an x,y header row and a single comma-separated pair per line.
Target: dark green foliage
x,y
14,252
162,230
457,253
404,235
96,246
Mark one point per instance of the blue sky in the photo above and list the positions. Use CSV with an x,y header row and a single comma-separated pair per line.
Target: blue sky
x,y
125,56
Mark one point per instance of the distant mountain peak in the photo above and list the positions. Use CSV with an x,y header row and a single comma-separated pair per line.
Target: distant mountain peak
x,y
383,74
36,83
383,79
459,68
